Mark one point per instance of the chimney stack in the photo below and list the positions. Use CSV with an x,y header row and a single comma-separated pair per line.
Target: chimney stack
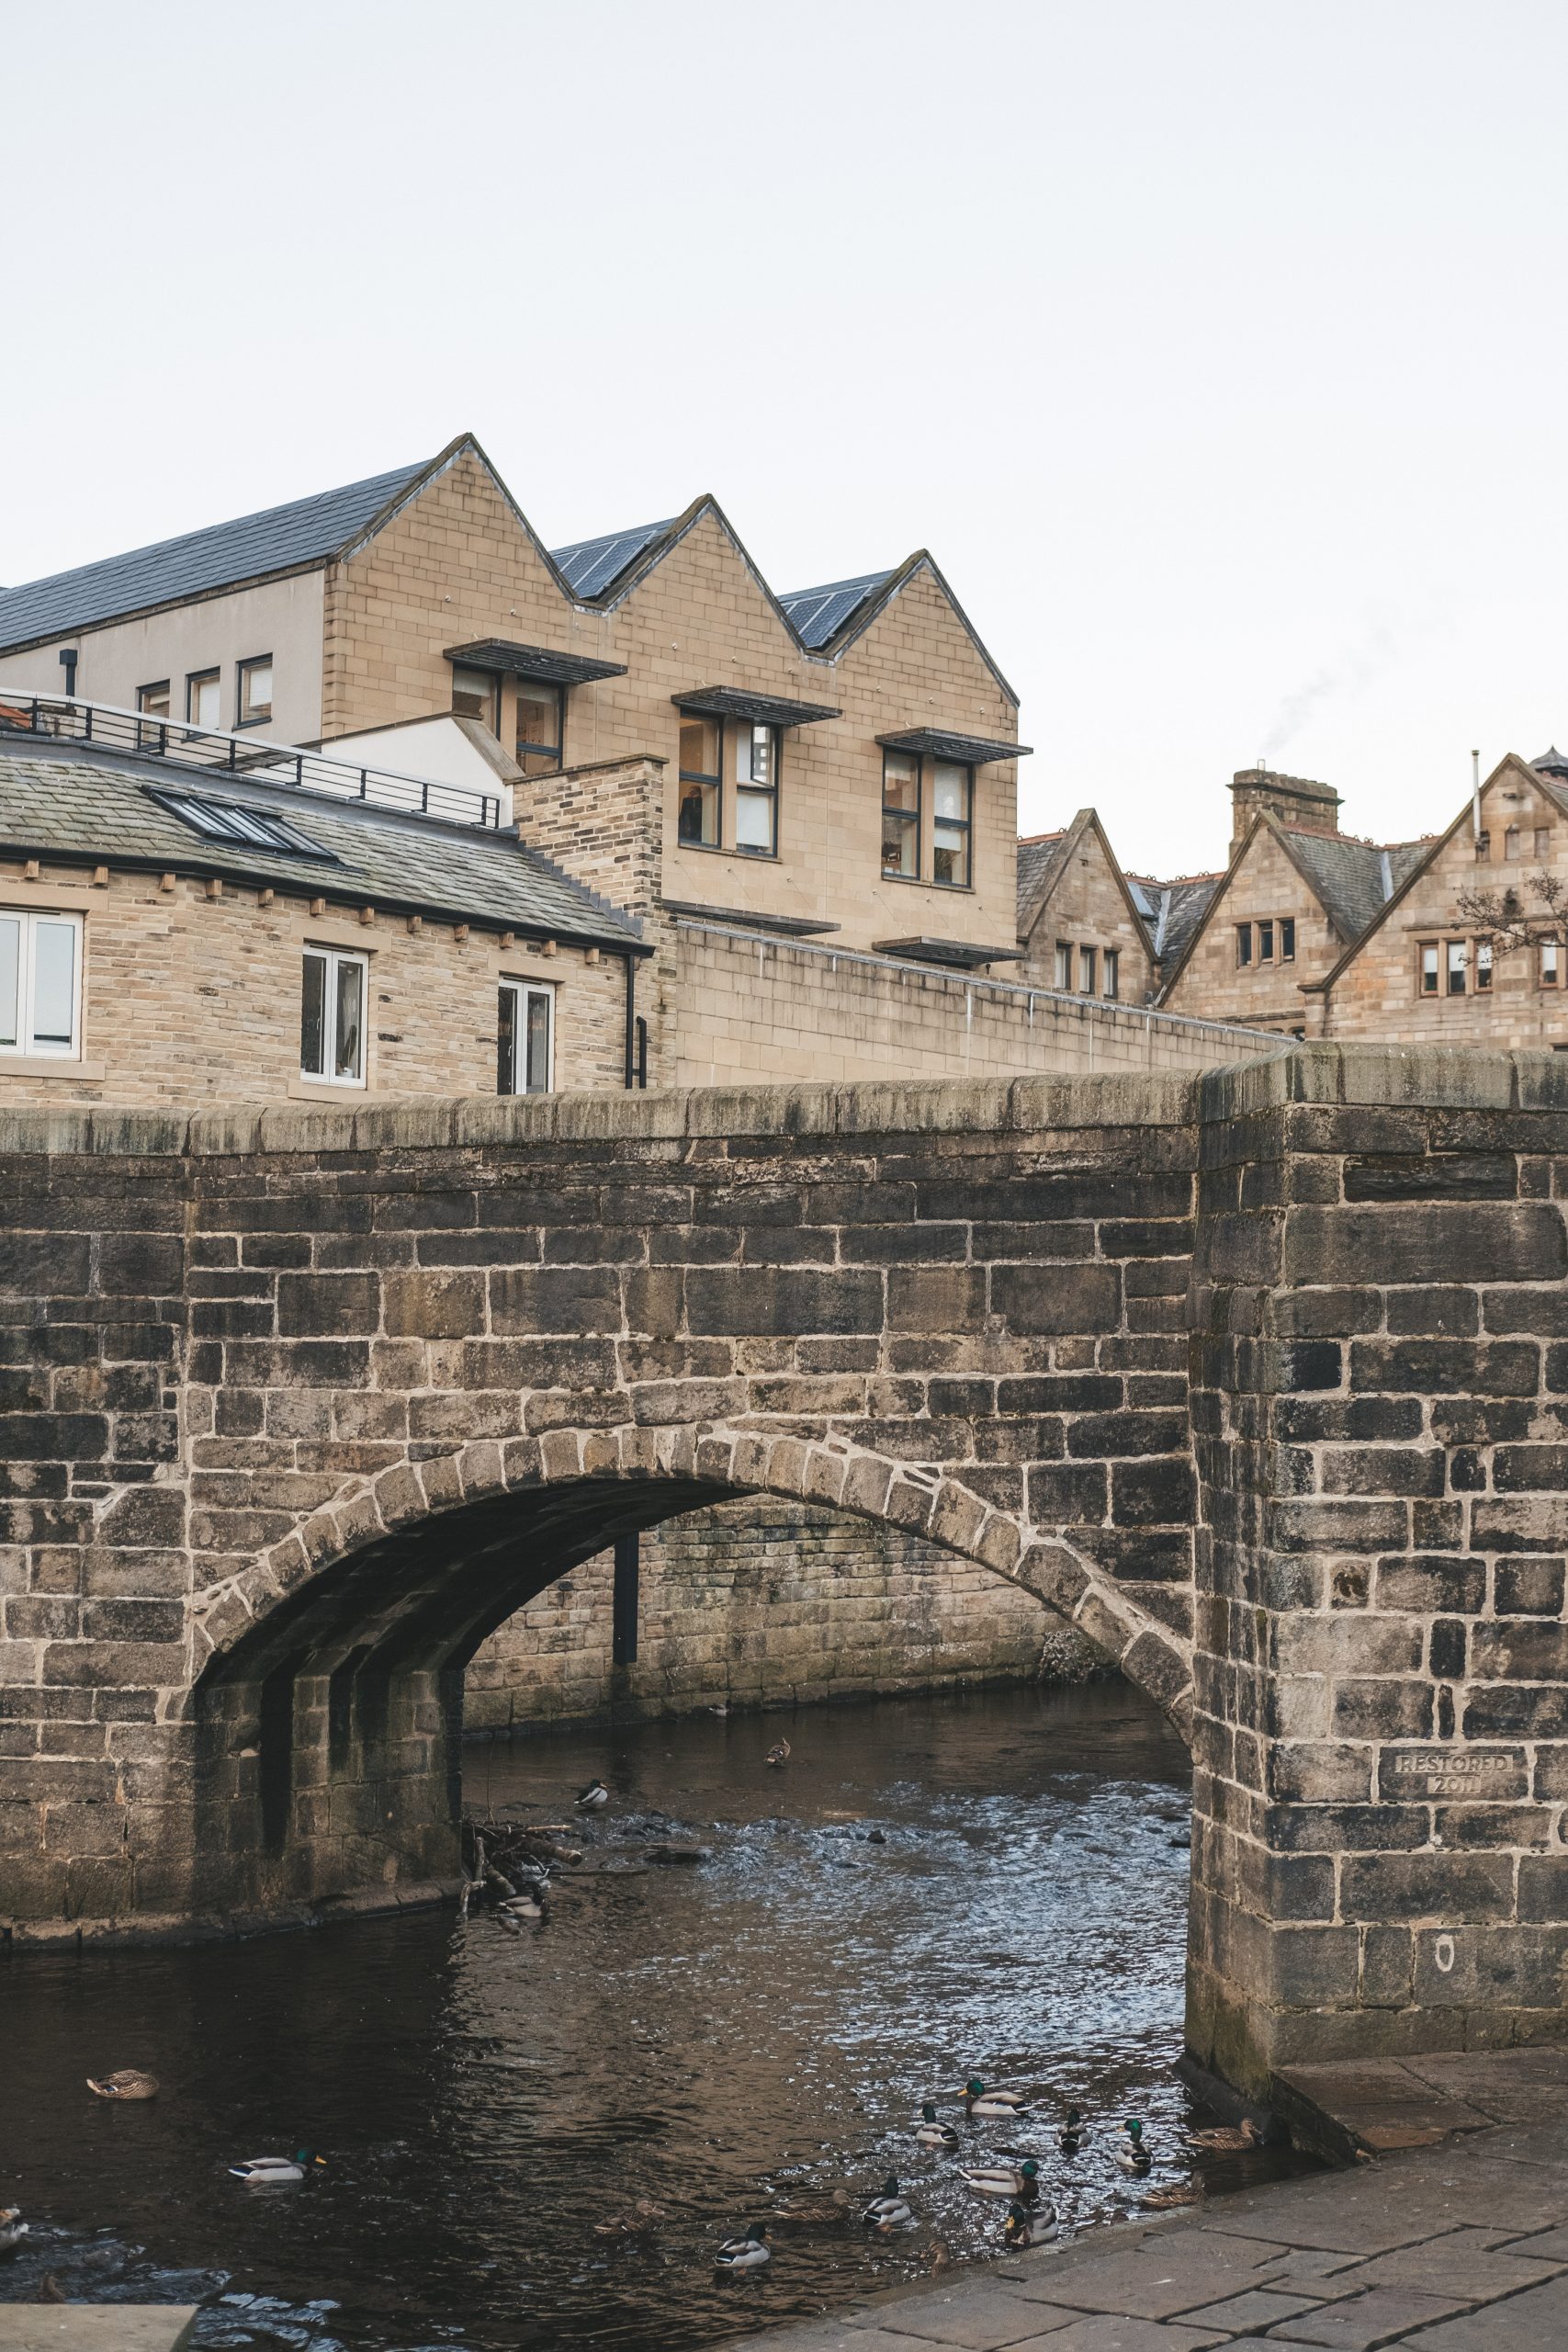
x,y
1295,800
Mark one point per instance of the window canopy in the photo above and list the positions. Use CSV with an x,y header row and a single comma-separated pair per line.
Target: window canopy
x,y
964,952
533,662
761,710
969,751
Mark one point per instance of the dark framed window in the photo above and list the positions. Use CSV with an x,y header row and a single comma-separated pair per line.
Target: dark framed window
x,y
901,816
700,824
952,799
204,691
1266,943
1243,943
1088,960
252,697
1112,972
1064,965
1286,939
525,1039
332,1017
1430,967
756,790
476,694
154,701
541,730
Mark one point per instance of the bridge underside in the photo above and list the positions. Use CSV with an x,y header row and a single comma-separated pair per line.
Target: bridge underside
x,y
1259,1379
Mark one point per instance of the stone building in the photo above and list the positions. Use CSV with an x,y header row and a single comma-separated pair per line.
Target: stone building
x,y
1087,928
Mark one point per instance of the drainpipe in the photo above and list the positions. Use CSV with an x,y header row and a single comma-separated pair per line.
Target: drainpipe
x,y
631,1022
1474,790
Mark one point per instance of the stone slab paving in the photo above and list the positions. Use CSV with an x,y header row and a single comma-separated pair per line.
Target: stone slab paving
x,y
1457,2246
96,2327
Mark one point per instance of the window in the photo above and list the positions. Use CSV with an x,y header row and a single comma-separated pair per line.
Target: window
x,y
1511,843
1064,965
1543,841
1457,959
332,1017
1112,971
901,815
1551,964
756,790
154,701
1430,967
476,694
525,1043
1483,964
702,792
1087,960
253,701
202,691
222,820
953,793
41,983
1482,847
1266,943
1243,943
541,711
1286,939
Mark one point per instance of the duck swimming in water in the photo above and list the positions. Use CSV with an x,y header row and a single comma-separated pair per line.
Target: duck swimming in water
x,y
1132,2151
1029,2224
128,2083
13,2229
592,1798
778,1756
261,2171
1069,2139
1021,2181
1226,2138
980,2101
888,2212
746,2252
931,2133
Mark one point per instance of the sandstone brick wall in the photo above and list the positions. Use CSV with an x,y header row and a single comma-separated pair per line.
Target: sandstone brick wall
x,y
188,998
749,1008
758,1604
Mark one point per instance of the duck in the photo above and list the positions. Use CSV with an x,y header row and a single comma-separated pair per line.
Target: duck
x,y
1165,2201
1029,2225
1226,2138
1003,2180
746,2252
13,2229
888,2212
591,1799
1132,2151
630,2225
930,2133
778,1756
128,2083
811,2214
532,1901
980,2101
260,2171
1070,2138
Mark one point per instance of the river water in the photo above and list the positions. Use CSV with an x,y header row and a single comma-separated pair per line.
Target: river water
x,y
717,2040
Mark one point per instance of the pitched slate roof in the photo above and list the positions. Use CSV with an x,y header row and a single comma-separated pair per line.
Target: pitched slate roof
x,y
591,566
1354,880
280,538
1039,856
819,613
72,802
1175,910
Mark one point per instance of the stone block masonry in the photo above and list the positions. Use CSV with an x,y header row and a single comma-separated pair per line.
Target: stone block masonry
x,y
759,1603
1260,1378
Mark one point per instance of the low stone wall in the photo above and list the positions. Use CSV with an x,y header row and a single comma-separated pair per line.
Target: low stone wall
x,y
762,1603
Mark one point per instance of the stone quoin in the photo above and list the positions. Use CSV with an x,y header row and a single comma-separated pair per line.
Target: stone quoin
x,y
1260,1378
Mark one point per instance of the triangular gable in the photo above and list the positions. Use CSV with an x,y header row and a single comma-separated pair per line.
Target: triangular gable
x,y
681,530
1086,822
1509,760
464,445
867,616
1264,818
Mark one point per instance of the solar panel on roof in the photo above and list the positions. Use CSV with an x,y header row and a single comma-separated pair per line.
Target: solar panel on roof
x,y
819,613
590,566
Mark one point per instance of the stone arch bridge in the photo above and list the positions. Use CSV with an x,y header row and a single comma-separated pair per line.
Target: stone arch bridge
x,y
1257,1377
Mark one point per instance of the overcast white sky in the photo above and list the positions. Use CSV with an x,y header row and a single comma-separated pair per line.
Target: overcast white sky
x,y
1215,349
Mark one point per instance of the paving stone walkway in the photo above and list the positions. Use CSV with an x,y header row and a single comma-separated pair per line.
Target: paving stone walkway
x,y
1459,2247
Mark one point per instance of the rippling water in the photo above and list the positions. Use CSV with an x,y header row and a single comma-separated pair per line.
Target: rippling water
x,y
717,2040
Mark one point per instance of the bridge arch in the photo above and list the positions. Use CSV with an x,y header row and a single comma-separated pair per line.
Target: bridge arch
x,y
326,1694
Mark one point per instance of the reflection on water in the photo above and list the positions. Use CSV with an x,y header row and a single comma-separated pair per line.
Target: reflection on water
x,y
717,2040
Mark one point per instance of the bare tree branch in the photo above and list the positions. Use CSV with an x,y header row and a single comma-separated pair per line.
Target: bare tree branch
x,y
1501,921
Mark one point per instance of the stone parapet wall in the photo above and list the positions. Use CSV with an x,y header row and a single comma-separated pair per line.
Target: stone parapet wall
x,y
758,1604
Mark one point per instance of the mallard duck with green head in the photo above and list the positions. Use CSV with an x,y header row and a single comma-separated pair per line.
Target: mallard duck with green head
x,y
262,2172
1071,2136
999,2103
748,2252
1133,2152
931,2133
890,2210
1021,2180
1029,2225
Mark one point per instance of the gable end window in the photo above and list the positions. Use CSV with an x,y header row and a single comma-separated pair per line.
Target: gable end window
x,y
332,1017
203,690
1457,959
541,732
1064,965
756,790
1243,943
41,984
525,1039
1286,939
1266,943
901,816
952,797
700,822
1551,964
1112,972
254,699
1430,967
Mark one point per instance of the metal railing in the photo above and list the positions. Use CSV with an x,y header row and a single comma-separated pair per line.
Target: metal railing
x,y
245,758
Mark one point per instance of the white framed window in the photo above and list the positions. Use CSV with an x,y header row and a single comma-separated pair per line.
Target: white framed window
x,y
332,992
1064,964
953,797
41,984
203,693
1551,964
525,1039
756,790
255,694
